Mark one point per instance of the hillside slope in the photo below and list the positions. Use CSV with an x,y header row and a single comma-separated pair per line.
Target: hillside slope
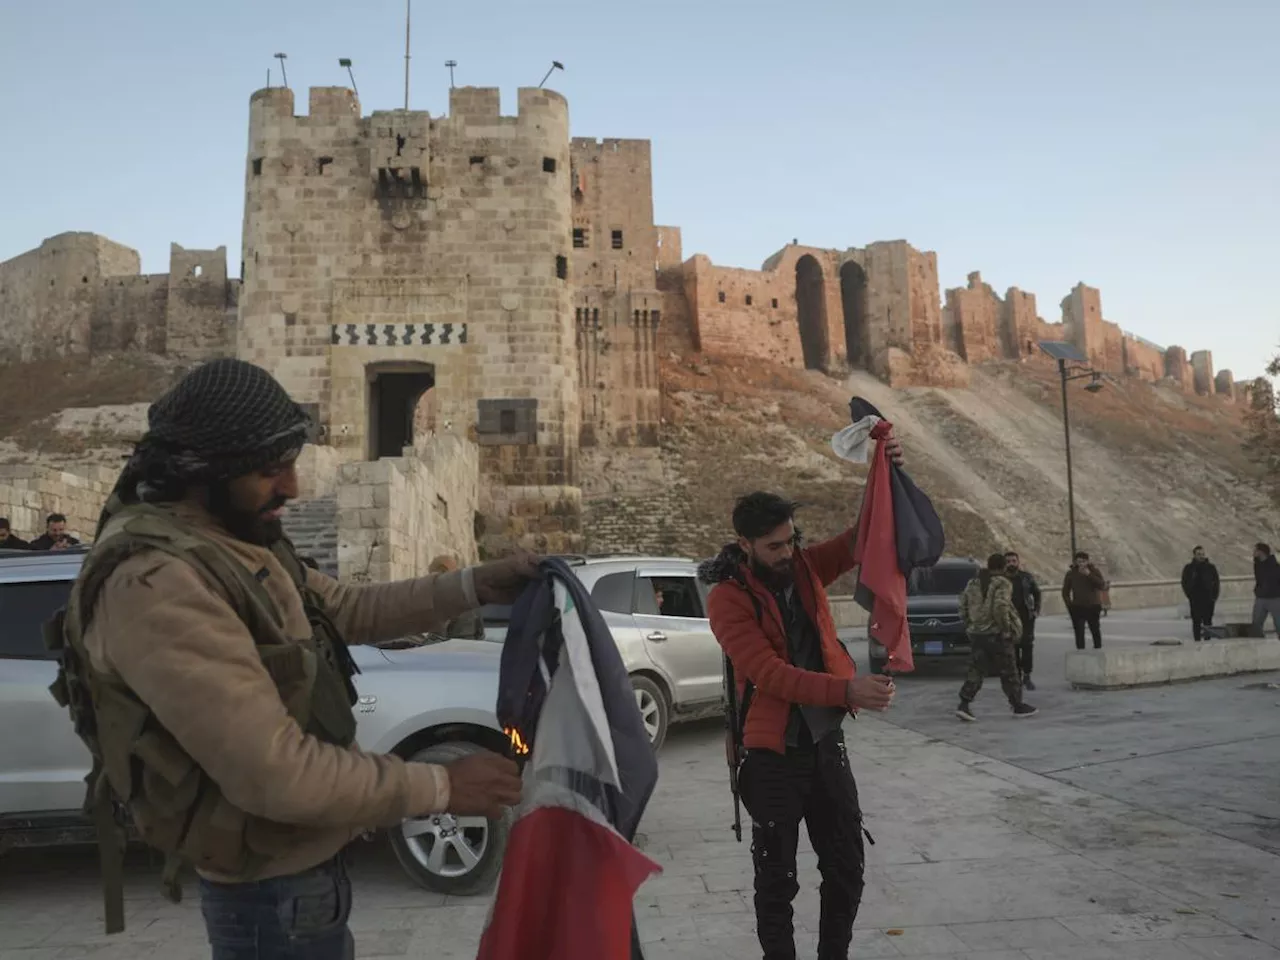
x,y
1156,471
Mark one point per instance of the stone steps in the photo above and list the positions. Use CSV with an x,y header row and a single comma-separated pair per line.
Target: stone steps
x,y
312,525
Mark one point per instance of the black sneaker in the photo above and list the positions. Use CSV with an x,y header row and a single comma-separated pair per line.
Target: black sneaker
x,y
1026,682
1024,710
964,713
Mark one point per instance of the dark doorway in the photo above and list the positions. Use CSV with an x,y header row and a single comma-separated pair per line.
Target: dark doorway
x,y
394,392
811,305
853,301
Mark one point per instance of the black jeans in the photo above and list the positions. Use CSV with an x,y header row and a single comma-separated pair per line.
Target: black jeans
x,y
814,784
1093,617
1201,615
1025,648
302,916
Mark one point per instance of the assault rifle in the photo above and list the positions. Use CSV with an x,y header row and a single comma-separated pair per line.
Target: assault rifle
x,y
735,719
734,753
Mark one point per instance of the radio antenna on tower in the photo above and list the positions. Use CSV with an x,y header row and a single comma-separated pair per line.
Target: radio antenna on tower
x,y
408,10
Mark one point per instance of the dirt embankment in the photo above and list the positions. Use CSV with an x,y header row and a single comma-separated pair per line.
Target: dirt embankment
x,y
33,397
1156,471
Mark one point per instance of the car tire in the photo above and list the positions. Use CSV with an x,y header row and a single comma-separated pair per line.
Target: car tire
x,y
655,709
449,854
876,666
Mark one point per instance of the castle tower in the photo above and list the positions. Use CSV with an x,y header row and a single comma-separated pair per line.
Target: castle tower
x,y
616,304
404,272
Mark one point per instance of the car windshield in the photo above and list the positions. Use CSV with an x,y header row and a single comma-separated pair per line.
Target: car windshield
x,y
940,581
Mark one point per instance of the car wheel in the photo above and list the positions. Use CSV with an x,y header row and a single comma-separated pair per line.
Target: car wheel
x,y
876,665
447,853
655,711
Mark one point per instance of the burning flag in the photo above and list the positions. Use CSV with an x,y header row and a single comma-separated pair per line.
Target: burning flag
x,y
570,872
898,530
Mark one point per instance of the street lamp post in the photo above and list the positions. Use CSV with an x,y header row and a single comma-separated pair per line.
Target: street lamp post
x,y
1062,352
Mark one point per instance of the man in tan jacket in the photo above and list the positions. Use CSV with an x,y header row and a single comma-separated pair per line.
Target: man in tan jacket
x,y
273,761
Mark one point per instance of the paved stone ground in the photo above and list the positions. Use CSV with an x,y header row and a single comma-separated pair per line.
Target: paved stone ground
x,y
979,854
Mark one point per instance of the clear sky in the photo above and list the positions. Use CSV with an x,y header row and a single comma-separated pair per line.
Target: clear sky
x,y
1130,144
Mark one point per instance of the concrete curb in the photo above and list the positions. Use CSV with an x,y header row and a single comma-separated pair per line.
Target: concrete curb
x,y
1148,665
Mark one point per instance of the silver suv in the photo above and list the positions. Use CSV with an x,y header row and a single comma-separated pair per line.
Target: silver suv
x,y
655,607
431,703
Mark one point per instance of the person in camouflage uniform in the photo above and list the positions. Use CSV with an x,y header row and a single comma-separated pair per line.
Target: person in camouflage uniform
x,y
994,627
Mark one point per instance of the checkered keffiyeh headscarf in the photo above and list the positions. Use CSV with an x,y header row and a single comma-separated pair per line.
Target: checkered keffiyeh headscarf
x,y
222,420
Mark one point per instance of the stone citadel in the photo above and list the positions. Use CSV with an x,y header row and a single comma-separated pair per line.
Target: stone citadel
x,y
472,306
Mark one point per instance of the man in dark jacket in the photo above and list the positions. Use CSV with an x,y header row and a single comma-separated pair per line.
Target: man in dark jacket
x,y
1200,585
1266,588
10,540
1082,592
769,611
55,536
1026,600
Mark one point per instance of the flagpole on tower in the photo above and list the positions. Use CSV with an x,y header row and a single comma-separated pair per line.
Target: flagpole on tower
x,y
408,9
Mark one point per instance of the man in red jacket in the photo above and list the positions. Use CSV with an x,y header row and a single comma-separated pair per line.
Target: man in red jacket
x,y
796,683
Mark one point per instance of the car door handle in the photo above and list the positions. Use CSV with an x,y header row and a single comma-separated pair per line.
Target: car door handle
x,y
657,636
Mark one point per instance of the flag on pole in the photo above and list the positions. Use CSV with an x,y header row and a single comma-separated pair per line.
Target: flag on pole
x,y
570,872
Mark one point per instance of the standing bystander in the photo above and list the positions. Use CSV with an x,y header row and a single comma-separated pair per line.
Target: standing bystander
x,y
1082,591
1200,585
1266,588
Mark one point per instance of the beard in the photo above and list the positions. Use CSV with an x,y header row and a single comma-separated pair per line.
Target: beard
x,y
251,526
777,577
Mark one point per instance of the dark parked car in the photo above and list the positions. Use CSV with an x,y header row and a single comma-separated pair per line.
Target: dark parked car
x,y
933,612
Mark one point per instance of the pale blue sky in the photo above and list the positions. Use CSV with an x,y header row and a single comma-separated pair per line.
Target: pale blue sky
x,y
1129,144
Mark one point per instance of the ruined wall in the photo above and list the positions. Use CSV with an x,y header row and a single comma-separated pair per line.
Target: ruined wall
x,y
130,313
47,295
1019,324
971,321
200,314
1202,372
820,309
1178,369
1224,384
82,293
1100,341
401,243
398,513
745,312
670,248
1143,359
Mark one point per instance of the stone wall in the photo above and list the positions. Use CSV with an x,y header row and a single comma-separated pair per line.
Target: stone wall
x,y
200,315
398,513
129,313
636,502
971,321
547,519
1178,369
1202,372
821,309
29,493
1142,359
79,293
1224,384
47,294
614,239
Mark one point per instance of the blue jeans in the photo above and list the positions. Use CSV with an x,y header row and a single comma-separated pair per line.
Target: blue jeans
x,y
302,916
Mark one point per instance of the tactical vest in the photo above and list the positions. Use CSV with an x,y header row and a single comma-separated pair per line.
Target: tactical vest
x,y
137,765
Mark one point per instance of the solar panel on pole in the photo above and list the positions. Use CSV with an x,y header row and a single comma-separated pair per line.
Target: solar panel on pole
x,y
1061,350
